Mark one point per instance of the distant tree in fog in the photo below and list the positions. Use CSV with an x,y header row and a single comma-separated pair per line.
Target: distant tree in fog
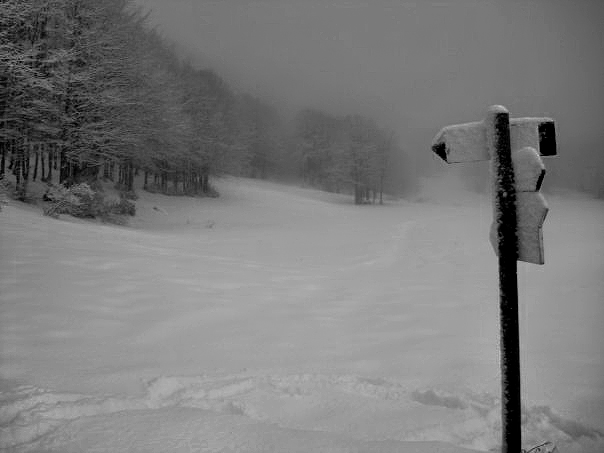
x,y
258,136
319,141
344,153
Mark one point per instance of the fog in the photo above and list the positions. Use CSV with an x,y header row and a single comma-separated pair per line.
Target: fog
x,y
414,66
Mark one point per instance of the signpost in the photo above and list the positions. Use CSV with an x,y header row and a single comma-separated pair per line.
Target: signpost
x,y
514,148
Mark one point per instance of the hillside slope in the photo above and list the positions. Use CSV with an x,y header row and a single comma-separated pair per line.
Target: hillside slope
x,y
277,318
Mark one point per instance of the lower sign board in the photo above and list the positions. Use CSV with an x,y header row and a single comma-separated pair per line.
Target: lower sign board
x,y
531,210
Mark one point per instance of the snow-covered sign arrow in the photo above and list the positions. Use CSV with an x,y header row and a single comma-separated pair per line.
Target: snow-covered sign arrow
x,y
469,143
531,207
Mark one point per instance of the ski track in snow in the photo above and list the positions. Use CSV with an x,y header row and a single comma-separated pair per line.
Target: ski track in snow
x,y
362,328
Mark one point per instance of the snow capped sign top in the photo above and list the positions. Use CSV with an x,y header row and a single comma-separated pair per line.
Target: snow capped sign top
x,y
514,148
468,142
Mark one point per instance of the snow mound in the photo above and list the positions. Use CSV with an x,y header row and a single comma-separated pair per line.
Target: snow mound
x,y
28,413
274,413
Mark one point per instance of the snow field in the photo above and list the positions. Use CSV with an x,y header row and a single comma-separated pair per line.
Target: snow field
x,y
285,318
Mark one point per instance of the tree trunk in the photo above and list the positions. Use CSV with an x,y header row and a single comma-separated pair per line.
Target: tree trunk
x,y
25,179
11,161
130,181
205,180
37,159
63,168
42,167
205,184
20,175
26,162
50,163
3,159
17,170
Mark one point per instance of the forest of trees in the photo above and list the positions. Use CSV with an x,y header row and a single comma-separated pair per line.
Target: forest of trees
x,y
88,90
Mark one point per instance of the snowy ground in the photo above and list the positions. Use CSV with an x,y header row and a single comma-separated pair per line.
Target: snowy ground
x,y
288,320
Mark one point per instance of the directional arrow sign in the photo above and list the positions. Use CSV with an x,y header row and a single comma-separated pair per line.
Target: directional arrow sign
x,y
468,142
531,207
531,210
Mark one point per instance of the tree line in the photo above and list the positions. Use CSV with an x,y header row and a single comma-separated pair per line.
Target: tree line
x,y
88,90
338,153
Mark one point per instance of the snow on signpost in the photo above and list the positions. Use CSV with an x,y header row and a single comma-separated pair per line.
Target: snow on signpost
x,y
468,143
531,207
514,148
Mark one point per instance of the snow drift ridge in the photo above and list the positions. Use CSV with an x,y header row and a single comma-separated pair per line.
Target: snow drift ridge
x,y
30,416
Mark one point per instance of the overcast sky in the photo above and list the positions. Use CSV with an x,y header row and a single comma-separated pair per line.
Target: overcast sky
x,y
414,65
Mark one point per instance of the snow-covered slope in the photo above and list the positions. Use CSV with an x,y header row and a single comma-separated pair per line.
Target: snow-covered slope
x,y
282,319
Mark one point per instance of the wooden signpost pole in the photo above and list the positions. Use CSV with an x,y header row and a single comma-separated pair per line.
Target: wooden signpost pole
x,y
497,126
514,148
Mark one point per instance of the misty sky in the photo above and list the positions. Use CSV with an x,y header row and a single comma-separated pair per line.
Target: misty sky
x,y
415,66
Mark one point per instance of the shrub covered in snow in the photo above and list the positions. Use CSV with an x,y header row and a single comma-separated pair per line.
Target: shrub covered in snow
x,y
80,200
123,207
